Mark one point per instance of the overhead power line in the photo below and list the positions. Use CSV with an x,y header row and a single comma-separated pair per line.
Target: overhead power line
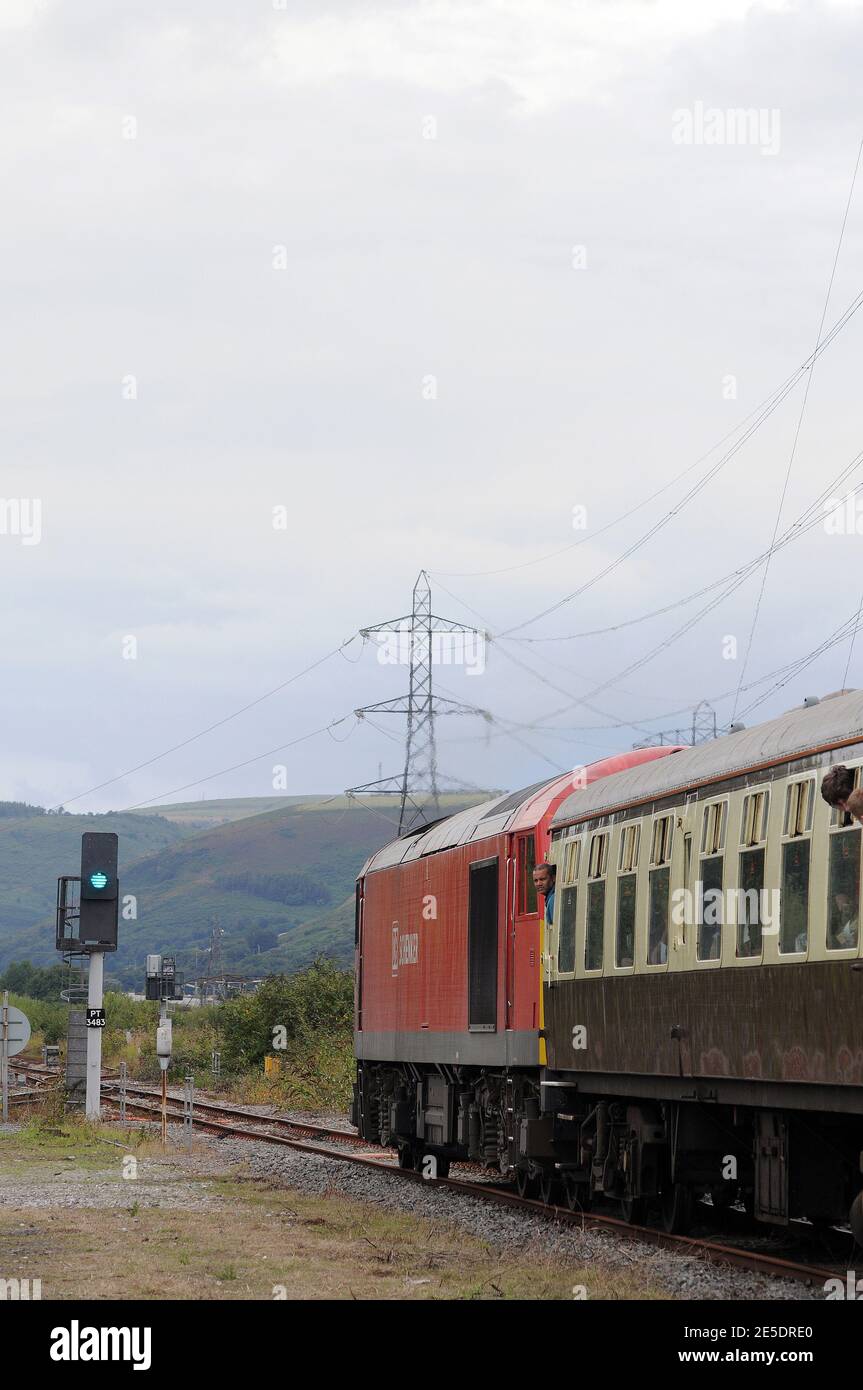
x,y
811,516
801,413
664,520
247,762
791,534
762,411
184,743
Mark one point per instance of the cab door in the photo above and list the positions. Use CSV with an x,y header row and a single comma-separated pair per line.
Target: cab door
x,y
524,977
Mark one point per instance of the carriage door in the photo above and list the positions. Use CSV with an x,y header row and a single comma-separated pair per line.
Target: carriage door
x,y
482,947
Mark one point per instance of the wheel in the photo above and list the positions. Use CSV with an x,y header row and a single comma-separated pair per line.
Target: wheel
x,y
549,1188
524,1182
676,1209
576,1194
419,1160
633,1210
723,1195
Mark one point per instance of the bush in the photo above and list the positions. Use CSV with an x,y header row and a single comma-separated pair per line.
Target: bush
x,y
123,1013
48,1017
317,1001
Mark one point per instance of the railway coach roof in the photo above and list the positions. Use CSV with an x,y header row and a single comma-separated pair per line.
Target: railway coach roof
x,y
835,722
520,810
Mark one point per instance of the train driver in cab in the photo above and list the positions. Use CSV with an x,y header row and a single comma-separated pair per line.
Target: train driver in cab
x,y
544,880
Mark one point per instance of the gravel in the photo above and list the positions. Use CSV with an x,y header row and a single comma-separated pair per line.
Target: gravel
x,y
168,1187
506,1228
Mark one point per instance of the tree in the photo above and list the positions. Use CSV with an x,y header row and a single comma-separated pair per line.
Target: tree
x,y
34,981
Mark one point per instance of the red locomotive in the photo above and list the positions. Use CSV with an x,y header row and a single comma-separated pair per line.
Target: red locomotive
x,y
448,968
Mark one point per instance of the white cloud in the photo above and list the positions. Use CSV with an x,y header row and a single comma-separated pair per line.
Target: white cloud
x,y
544,52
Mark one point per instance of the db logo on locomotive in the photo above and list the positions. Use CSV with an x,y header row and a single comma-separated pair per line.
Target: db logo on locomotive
x,y
405,948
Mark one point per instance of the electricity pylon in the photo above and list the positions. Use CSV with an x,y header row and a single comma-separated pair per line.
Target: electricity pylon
x,y
414,645
702,730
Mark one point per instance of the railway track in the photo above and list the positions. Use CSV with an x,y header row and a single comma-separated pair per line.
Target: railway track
x,y
209,1109
222,1118
38,1077
341,1144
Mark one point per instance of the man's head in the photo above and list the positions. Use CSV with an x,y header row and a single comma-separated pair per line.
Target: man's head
x,y
837,784
544,876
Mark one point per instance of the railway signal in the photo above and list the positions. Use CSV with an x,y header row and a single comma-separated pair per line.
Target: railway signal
x,y
100,891
87,915
163,983
162,980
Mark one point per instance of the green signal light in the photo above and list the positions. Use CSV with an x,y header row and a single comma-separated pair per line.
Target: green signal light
x,y
98,879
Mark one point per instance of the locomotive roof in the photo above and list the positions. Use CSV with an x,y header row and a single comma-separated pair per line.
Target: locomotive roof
x,y
834,722
520,810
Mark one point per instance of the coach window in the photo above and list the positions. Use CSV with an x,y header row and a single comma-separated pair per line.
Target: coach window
x,y
627,865
710,873
843,900
567,898
593,941
658,893
796,844
753,839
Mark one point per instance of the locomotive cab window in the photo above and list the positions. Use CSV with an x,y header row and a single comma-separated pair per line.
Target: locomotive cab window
x,y
596,869
624,948
658,890
794,882
527,863
753,840
711,876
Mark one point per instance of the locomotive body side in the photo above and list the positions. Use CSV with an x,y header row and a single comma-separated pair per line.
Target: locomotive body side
x,y
417,1001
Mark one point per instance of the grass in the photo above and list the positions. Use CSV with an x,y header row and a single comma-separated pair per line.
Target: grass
x,y
315,1074
254,1239
48,1138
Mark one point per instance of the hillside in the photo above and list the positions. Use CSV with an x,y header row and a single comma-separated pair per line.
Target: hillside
x,y
206,815
279,884
35,849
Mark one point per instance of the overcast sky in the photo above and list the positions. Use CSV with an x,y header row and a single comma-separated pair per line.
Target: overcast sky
x,y
428,276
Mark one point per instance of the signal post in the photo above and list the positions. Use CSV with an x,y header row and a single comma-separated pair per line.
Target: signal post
x,y
90,928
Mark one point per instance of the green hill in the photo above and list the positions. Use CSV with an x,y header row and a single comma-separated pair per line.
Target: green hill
x,y
37,847
206,815
279,884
